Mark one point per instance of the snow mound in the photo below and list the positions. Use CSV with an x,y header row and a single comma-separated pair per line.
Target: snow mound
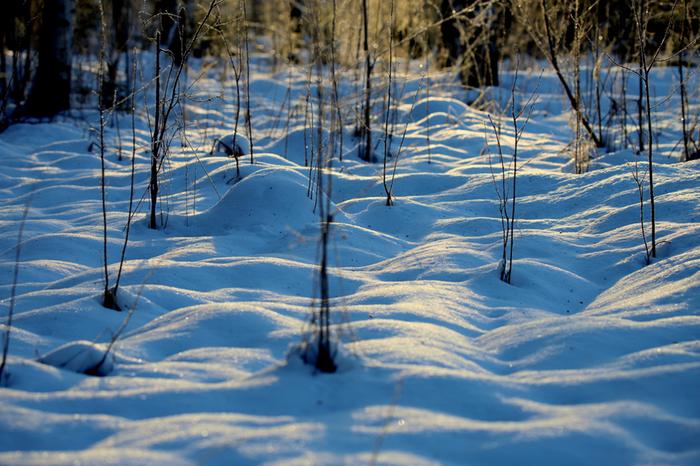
x,y
231,145
270,200
83,357
301,357
425,107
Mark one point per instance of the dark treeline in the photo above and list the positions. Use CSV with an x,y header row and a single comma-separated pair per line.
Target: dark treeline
x,y
41,40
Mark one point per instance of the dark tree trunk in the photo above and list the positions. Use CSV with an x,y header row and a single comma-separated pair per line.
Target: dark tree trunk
x,y
295,14
296,17
50,91
24,11
172,28
469,38
7,41
116,48
3,60
366,128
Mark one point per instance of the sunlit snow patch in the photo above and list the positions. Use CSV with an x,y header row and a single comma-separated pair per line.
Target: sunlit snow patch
x,y
272,200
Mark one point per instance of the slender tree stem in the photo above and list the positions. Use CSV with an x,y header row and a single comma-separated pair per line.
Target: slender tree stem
x,y
247,79
366,130
155,142
387,142
13,291
132,182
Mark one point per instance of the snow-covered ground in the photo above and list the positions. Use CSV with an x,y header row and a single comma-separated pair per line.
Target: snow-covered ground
x,y
588,357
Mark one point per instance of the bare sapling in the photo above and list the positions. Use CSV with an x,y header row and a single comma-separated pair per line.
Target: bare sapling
x,y
115,119
507,194
164,108
580,149
310,142
365,147
599,76
597,72
646,64
645,69
307,103
337,114
390,420
108,299
502,194
390,186
97,369
387,139
237,71
640,116
358,86
155,142
290,111
427,95
639,182
324,359
249,123
13,294
623,109
290,61
639,21
127,228
320,351
684,97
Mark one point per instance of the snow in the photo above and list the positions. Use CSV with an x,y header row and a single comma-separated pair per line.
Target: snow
x,y
82,357
231,145
588,357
